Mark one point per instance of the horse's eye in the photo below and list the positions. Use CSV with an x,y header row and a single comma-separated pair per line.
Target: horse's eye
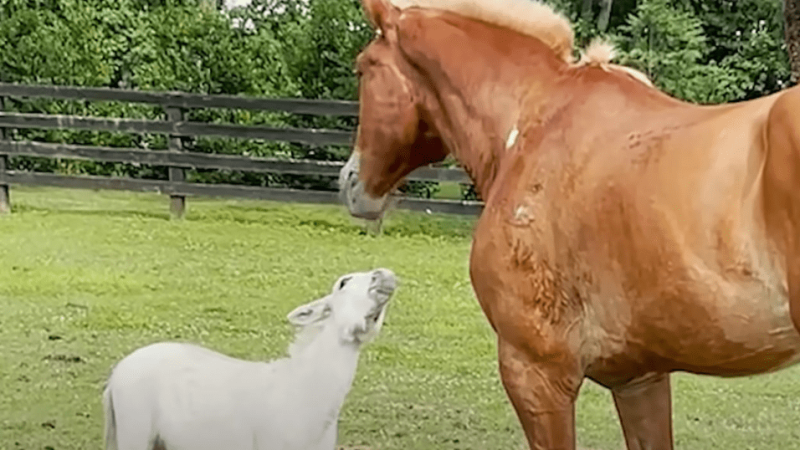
x,y
343,282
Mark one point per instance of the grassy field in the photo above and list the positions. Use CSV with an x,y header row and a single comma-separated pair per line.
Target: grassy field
x,y
86,277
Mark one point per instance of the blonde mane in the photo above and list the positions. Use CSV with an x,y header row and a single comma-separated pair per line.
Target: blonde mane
x,y
599,53
532,18
529,17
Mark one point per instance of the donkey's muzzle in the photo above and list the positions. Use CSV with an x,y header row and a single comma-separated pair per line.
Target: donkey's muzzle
x,y
384,283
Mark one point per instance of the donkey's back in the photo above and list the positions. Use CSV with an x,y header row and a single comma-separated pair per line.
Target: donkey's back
x,y
177,396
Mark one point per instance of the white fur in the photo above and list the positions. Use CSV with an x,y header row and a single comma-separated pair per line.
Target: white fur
x,y
187,397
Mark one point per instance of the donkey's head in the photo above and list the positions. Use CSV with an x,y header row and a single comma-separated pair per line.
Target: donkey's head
x,y
356,306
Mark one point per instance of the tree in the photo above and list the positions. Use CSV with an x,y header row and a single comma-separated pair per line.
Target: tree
x,y
605,15
791,15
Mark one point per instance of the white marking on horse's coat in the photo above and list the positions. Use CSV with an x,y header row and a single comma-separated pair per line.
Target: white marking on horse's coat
x,y
512,137
522,215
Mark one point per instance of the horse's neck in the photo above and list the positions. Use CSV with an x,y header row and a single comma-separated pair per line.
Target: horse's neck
x,y
480,115
484,132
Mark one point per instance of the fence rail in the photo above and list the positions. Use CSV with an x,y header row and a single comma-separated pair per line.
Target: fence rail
x,y
178,159
184,100
175,127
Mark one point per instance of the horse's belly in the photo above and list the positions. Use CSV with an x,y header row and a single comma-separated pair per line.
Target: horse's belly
x,y
745,331
759,335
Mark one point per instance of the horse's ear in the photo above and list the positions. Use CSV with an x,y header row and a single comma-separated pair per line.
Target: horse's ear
x,y
309,313
381,13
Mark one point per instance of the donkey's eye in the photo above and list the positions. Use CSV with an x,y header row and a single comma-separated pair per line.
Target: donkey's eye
x,y
343,282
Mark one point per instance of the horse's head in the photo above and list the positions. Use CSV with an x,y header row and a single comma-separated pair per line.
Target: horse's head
x,y
394,136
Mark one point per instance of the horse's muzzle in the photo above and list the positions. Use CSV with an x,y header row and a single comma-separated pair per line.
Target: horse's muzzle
x,y
351,189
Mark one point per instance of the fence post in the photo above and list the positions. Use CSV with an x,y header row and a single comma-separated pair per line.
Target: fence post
x,y
177,203
5,197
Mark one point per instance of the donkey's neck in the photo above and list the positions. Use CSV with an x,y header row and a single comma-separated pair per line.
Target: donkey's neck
x,y
326,366
485,92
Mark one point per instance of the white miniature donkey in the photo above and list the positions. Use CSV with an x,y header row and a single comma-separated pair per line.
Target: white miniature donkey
x,y
176,396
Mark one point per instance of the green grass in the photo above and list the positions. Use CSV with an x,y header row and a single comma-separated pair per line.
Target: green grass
x,y
449,191
87,277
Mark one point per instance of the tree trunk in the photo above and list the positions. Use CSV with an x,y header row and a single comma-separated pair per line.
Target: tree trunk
x,y
791,15
605,15
586,12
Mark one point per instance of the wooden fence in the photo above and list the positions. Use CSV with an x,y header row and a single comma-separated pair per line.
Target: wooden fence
x,y
178,159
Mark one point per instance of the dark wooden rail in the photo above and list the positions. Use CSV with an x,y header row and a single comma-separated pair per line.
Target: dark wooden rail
x,y
176,127
178,159
184,100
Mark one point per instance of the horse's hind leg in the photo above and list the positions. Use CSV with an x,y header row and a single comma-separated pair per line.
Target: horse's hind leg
x,y
645,412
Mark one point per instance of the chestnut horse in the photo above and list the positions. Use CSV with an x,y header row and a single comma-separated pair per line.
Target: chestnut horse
x,y
625,235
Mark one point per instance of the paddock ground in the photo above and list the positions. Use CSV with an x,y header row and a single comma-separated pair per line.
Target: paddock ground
x,y
86,277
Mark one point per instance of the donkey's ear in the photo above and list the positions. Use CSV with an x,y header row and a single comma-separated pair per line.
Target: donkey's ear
x,y
381,13
310,312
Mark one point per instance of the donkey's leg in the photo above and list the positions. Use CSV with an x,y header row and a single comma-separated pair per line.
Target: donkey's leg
x,y
543,392
329,438
645,412
134,431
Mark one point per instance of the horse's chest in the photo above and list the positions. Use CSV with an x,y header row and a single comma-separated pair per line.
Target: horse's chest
x,y
518,280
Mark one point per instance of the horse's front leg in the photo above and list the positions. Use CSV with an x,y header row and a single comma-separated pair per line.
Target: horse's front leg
x,y
645,411
543,392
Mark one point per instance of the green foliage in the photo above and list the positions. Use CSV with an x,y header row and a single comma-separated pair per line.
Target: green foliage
x,y
706,52
149,45
320,40
666,42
